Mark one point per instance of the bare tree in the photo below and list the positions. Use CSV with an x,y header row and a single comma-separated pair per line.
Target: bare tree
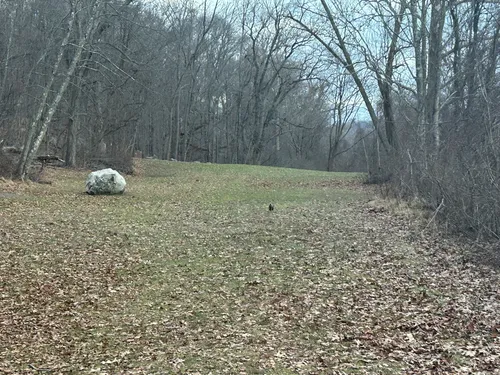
x,y
337,46
85,27
274,72
342,117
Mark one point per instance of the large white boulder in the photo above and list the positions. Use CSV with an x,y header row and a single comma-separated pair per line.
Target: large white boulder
x,y
105,181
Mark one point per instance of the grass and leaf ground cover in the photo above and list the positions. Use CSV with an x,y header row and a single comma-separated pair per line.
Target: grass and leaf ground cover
x,y
190,273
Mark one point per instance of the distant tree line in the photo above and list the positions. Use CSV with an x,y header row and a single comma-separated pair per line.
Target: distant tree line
x,y
272,82
107,79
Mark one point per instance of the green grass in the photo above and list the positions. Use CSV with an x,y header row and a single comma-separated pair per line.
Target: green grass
x,y
188,272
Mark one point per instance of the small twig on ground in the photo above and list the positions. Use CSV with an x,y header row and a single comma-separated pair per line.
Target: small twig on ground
x,y
39,369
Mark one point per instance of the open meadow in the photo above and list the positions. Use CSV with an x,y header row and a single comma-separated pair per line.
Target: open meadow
x,y
189,272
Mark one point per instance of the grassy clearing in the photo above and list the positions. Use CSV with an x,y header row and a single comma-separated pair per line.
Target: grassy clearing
x,y
188,272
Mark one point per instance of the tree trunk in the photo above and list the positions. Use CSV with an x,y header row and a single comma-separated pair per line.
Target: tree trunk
x,y
72,128
385,84
418,20
178,127
438,12
7,54
37,132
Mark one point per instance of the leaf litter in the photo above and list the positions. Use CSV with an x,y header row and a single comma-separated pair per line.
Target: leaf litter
x,y
198,277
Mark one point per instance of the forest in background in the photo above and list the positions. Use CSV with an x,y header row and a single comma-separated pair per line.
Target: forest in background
x,y
212,83
269,82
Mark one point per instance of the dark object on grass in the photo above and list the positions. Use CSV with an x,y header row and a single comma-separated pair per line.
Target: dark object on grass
x,y
271,207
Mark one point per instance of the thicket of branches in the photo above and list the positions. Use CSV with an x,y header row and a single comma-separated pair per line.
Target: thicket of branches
x,y
276,82
428,73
